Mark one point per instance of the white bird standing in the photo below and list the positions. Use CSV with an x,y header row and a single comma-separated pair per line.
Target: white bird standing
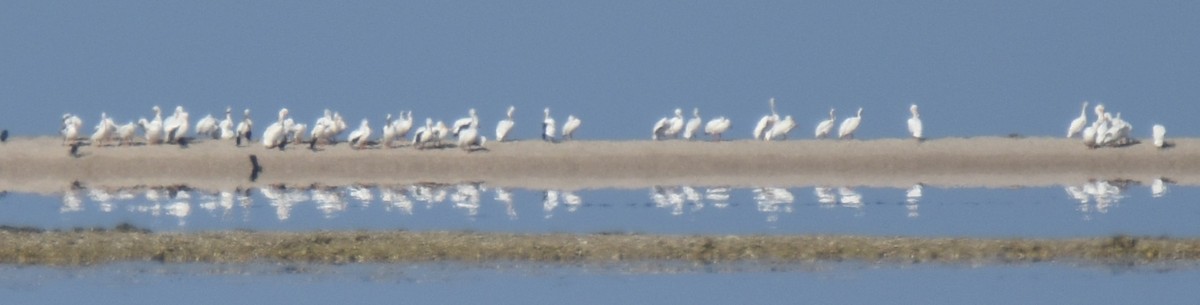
x,y
469,137
716,127
826,126
780,129
176,126
359,137
693,124
226,125
766,122
207,126
70,129
548,126
849,125
1089,136
245,128
403,125
915,128
674,125
125,133
505,125
424,134
275,135
104,130
463,123
1078,123
570,126
1159,132
389,132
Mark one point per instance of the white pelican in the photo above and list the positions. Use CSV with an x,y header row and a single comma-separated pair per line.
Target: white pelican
x,y
389,132
849,125
1159,132
275,135
780,129
441,132
424,134
469,137
1099,110
825,127
548,126
226,131
125,133
297,131
1102,125
359,137
244,128
914,124
70,129
693,124
104,130
176,126
570,126
675,124
152,129
1089,136
1118,132
659,128
716,127
403,125
207,126
766,122
505,125
462,123
1078,123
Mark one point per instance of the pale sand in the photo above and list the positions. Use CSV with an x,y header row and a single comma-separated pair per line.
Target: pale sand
x,y
42,165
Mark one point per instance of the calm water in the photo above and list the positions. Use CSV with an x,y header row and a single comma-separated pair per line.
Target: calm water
x,y
1089,208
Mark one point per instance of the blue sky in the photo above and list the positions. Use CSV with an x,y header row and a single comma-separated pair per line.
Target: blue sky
x,y
975,68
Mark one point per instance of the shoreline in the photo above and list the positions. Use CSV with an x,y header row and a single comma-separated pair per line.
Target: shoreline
x,y
43,165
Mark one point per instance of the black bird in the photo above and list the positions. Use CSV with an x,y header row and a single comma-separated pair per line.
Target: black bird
x,y
74,149
4,136
254,168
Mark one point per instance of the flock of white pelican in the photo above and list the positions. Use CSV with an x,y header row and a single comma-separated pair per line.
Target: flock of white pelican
x,y
1106,130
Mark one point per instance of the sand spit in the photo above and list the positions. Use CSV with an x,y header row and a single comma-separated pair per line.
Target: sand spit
x,y
91,247
43,165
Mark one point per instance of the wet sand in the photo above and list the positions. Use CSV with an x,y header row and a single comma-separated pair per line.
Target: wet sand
x,y
91,247
43,165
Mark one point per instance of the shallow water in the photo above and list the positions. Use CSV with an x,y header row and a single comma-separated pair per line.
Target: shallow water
x,y
508,284
1090,208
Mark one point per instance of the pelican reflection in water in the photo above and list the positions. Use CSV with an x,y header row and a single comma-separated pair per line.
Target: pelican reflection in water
x,y
773,200
912,198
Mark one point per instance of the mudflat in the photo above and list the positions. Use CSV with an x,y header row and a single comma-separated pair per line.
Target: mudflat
x,y
44,165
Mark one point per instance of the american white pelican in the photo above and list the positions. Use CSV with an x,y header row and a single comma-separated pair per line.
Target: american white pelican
x,y
104,130
766,122
825,127
226,130
1078,123
441,133
548,126
780,129
463,123
570,126
469,137
125,133
403,125
389,132
505,125
675,124
849,125
70,129
207,126
1159,132
1102,125
297,131
176,126
1099,110
1118,132
1089,136
244,128
914,124
275,135
693,124
716,127
152,131
659,128
423,135
359,137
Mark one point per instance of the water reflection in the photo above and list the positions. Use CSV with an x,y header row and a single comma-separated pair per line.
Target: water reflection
x,y
773,204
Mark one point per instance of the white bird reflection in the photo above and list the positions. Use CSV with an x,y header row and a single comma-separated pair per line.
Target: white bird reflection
x,y
572,201
361,193
329,201
912,198
549,202
1106,195
1158,187
396,199
505,197
825,196
666,197
466,196
773,200
849,197
719,196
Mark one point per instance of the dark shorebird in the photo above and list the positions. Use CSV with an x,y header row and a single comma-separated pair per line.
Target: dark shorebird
x,y
254,168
